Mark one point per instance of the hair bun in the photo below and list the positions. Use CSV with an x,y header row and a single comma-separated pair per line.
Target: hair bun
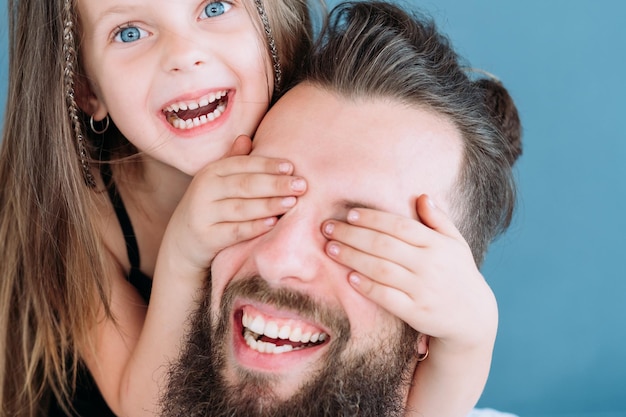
x,y
504,113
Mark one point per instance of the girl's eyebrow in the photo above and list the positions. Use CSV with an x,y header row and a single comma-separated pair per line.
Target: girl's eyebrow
x,y
115,14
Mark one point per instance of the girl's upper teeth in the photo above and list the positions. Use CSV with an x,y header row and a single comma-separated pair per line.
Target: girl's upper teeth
x,y
194,104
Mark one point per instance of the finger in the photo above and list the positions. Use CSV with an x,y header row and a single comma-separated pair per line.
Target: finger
x,y
258,186
228,234
396,302
406,229
435,218
247,164
384,272
374,242
241,210
241,146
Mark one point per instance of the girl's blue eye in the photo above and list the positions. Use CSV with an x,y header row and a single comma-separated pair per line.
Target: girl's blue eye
x,y
129,34
215,9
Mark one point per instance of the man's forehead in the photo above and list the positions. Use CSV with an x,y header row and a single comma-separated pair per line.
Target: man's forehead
x,y
376,150
304,117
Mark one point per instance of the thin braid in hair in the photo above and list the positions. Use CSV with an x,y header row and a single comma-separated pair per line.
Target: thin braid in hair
x,y
69,51
271,42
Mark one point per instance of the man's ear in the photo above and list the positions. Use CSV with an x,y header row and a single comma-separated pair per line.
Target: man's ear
x,y
87,100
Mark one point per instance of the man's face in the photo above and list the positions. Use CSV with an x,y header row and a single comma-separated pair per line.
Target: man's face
x,y
284,320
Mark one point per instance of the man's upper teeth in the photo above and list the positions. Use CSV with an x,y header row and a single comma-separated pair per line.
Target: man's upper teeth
x,y
272,330
193,105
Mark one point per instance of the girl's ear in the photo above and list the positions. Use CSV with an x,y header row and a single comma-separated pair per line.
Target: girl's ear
x,y
87,100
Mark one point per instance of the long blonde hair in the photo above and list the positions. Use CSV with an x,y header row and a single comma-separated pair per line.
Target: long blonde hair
x,y
52,286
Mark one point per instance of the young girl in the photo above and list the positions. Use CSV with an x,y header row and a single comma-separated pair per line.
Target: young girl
x,y
180,80
164,88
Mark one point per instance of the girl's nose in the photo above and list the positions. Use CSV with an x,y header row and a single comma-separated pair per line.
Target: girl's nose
x,y
183,53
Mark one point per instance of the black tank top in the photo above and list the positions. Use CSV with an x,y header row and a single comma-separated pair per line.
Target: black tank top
x,y
87,400
137,278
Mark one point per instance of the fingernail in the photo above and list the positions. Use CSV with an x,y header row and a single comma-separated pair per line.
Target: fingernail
x,y
298,184
333,249
284,167
353,215
430,202
288,202
329,228
354,279
270,221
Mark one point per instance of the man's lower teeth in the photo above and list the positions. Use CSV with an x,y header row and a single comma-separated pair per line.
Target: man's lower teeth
x,y
266,347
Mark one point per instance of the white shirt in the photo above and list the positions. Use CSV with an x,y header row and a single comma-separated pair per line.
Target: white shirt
x,y
488,412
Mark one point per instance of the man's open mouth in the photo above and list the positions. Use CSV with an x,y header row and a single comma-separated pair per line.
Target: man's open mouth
x,y
185,115
272,336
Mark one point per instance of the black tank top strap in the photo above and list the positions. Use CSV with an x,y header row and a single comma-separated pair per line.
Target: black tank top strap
x,y
137,278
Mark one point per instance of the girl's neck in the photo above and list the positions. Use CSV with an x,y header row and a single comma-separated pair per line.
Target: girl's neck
x,y
163,188
150,200
152,194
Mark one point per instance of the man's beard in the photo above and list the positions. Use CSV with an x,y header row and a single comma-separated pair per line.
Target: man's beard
x,y
372,383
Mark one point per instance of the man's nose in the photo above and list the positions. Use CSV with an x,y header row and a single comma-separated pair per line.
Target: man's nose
x,y
293,251
182,52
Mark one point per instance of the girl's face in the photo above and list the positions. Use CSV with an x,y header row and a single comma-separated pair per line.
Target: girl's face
x,y
180,79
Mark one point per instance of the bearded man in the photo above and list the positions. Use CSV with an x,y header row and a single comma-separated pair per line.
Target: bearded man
x,y
375,128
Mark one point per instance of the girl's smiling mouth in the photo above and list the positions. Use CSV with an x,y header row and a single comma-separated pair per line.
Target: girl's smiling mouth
x,y
184,115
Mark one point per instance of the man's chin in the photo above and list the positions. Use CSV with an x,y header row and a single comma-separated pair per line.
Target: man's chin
x,y
283,376
371,384
220,374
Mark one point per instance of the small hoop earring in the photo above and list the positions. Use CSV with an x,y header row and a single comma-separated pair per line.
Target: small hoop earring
x,y
422,356
99,131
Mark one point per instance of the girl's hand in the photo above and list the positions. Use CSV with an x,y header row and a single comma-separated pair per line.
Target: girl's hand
x,y
231,200
422,272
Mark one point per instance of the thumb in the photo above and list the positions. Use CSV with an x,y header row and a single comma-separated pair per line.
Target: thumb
x,y
435,218
241,146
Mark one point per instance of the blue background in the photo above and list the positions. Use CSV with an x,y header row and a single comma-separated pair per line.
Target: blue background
x,y
559,273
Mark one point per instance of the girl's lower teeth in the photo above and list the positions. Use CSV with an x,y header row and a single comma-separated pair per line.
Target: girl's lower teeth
x,y
197,121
